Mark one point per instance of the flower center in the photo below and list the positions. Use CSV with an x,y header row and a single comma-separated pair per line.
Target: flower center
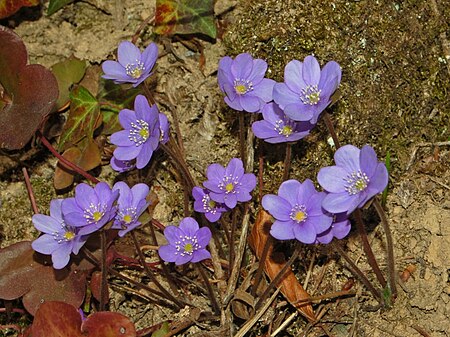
x,y
298,213
229,187
209,205
97,216
139,132
310,95
229,184
357,181
284,127
242,86
94,213
135,70
69,235
65,234
127,215
187,245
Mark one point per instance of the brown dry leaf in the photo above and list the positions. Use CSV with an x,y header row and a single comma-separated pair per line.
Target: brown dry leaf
x,y
290,287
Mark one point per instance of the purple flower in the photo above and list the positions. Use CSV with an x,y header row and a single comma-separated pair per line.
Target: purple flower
x,y
229,185
356,178
131,204
132,67
60,239
278,128
339,229
242,79
122,165
204,204
163,128
141,135
187,243
91,208
306,90
297,211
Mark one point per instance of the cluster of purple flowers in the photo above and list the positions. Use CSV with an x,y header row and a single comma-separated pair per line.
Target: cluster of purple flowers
x,y
144,127
225,187
303,213
72,220
290,109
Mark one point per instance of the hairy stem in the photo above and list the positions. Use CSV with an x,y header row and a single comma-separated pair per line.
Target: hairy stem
x,y
104,271
390,248
242,136
151,276
64,161
367,249
331,130
357,272
211,294
287,161
30,191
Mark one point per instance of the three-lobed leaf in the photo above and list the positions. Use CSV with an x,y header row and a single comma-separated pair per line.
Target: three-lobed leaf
x,y
30,92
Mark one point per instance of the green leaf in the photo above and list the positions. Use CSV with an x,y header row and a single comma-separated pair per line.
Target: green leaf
x,y
185,17
84,117
8,7
56,5
67,73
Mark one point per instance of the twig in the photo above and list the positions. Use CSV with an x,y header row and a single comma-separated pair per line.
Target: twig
x,y
330,127
252,321
417,146
152,277
258,276
242,137
420,330
284,324
276,280
30,191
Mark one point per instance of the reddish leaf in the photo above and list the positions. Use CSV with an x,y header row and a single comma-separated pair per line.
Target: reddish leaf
x,y
31,91
56,319
59,319
108,324
28,274
9,7
185,17
86,155
290,287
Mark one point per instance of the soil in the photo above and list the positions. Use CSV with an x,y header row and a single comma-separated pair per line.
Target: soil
x,y
395,57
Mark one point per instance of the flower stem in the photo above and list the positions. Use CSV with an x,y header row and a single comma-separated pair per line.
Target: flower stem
x,y
64,161
104,271
367,249
30,191
150,274
211,295
390,247
357,272
287,161
331,130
